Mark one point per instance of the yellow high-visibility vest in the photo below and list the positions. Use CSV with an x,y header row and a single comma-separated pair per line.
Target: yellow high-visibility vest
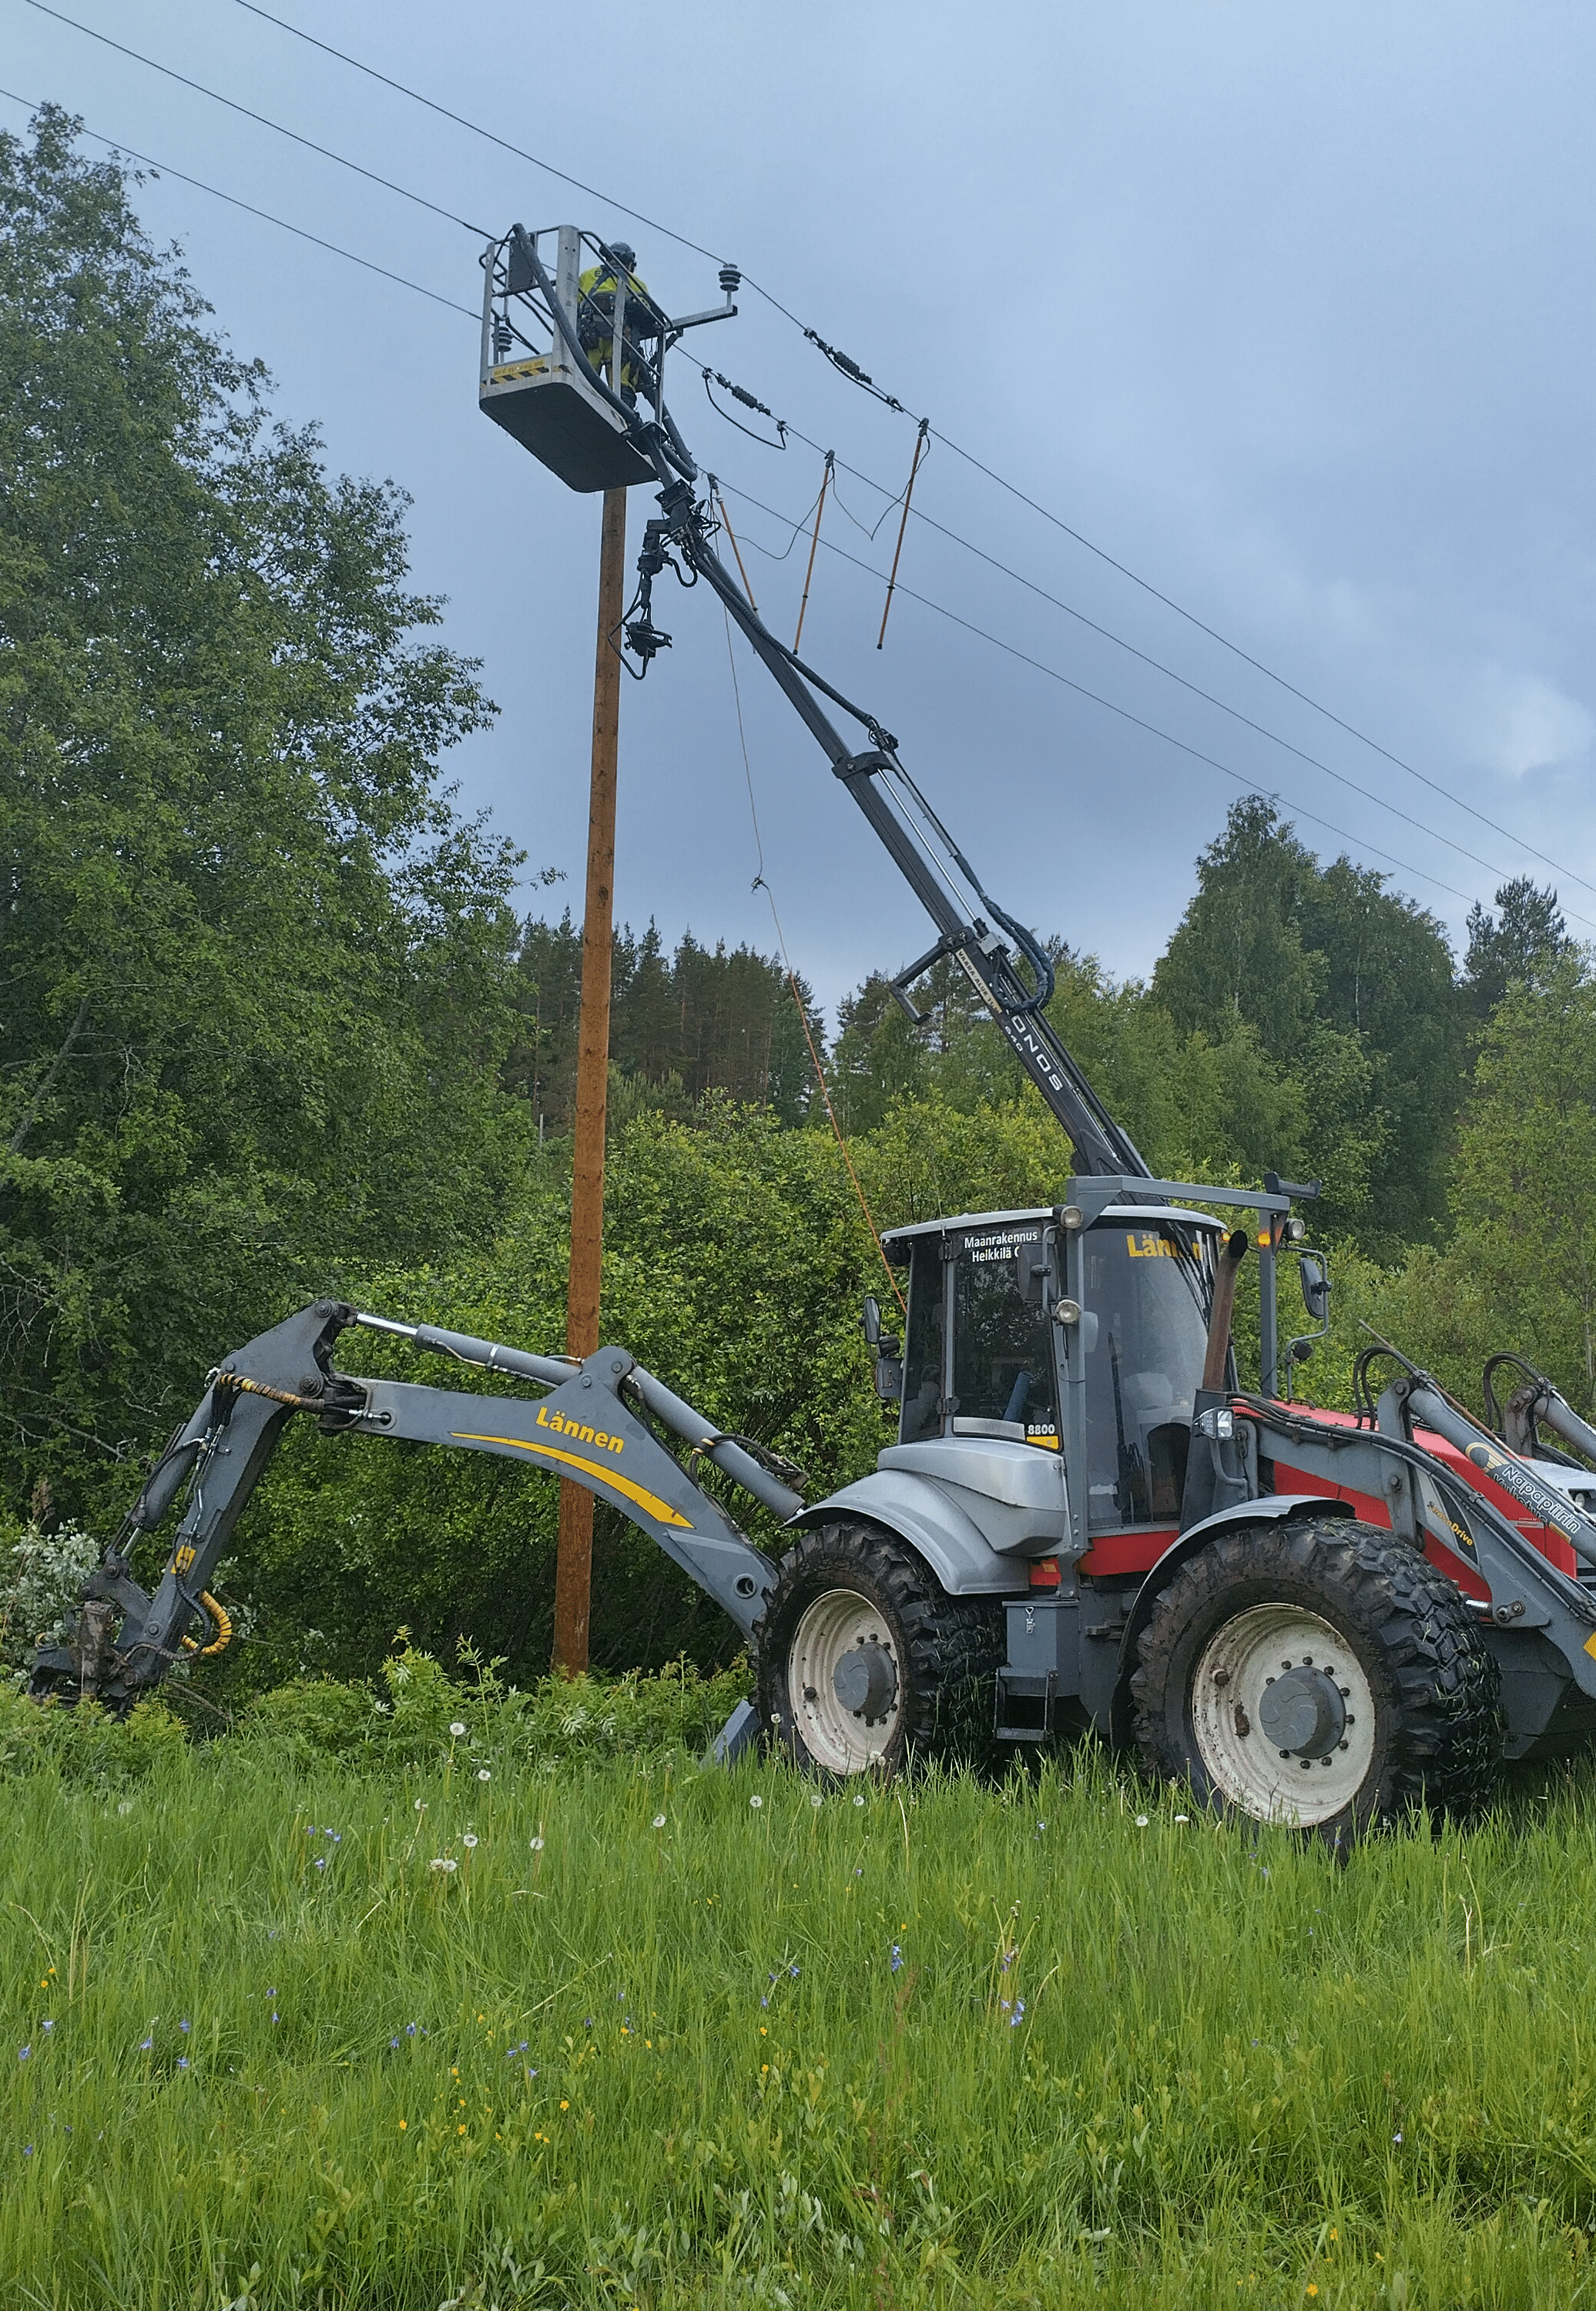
x,y
597,280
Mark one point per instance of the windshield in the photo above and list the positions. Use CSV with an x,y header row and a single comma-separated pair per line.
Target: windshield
x,y
1144,1364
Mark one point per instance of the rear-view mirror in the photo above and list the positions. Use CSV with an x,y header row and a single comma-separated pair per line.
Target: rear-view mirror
x,y
1316,1285
872,1321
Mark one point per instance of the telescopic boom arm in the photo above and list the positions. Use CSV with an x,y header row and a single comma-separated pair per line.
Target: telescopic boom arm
x,y
912,836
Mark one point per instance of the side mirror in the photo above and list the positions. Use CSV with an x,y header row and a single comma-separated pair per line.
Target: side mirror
x,y
887,1352
1032,1268
1316,1286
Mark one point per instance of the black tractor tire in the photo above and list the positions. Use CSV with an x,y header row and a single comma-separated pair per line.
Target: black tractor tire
x,y
1285,1598
847,1587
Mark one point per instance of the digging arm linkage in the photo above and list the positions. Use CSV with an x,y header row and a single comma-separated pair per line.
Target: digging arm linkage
x,y
596,1423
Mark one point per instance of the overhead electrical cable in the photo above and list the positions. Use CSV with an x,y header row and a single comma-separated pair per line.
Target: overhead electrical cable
x,y
851,370
477,128
1011,650
848,368
1314,760
309,142
165,169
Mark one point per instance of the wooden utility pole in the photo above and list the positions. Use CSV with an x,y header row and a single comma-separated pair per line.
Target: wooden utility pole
x,y
574,1575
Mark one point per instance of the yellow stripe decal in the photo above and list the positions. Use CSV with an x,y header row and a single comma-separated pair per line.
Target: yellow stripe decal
x,y
1590,1645
650,1502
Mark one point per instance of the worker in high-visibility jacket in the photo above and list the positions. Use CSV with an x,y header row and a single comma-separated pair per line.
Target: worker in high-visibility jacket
x,y
596,306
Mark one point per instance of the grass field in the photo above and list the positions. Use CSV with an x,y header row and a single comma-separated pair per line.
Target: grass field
x,y
658,2035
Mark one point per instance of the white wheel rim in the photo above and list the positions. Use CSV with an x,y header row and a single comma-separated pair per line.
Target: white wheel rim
x,y
835,1736
1238,1666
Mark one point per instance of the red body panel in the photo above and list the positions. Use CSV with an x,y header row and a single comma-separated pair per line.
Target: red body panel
x,y
1113,1554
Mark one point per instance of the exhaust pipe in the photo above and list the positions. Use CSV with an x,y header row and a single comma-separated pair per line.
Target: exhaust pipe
x,y
1223,1310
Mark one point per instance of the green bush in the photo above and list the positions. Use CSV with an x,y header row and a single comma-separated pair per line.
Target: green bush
x,y
482,1725
84,1743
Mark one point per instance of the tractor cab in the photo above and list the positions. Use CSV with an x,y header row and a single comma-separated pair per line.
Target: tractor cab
x,y
1033,1330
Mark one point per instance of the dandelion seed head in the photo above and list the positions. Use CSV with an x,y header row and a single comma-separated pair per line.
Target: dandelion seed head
x,y
659,1821
1182,1817
421,1805
126,1806
816,1800
537,1845
1141,1821
483,1773
469,1841
445,1862
860,1798
457,1727
756,1802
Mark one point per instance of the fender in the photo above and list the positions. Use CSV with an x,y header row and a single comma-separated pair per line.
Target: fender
x,y
920,1512
1270,1508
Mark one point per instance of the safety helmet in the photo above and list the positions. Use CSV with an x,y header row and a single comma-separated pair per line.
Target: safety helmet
x,y
623,253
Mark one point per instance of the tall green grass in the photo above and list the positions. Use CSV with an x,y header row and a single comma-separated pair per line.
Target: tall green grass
x,y
723,2038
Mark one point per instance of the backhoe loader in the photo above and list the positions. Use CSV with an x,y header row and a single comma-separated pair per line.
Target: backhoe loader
x,y
1316,1618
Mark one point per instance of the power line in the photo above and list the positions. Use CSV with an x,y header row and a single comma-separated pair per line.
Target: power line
x,y
477,129
1262,729
387,184
1246,657
164,169
310,144
1013,490
1012,650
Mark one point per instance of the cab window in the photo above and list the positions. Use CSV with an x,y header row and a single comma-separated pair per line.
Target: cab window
x,y
1148,1293
923,1344
1002,1343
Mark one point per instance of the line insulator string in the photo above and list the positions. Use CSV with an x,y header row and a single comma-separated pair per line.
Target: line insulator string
x,y
712,377
851,370
921,443
831,459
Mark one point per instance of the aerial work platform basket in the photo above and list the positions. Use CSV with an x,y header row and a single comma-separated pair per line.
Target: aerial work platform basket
x,y
573,352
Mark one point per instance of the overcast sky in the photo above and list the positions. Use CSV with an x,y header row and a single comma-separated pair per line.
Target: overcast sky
x,y
1284,308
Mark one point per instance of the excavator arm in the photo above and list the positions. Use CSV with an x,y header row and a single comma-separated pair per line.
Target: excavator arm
x,y
599,1423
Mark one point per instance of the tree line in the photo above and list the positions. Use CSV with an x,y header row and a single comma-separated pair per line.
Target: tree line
x,y
272,1027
